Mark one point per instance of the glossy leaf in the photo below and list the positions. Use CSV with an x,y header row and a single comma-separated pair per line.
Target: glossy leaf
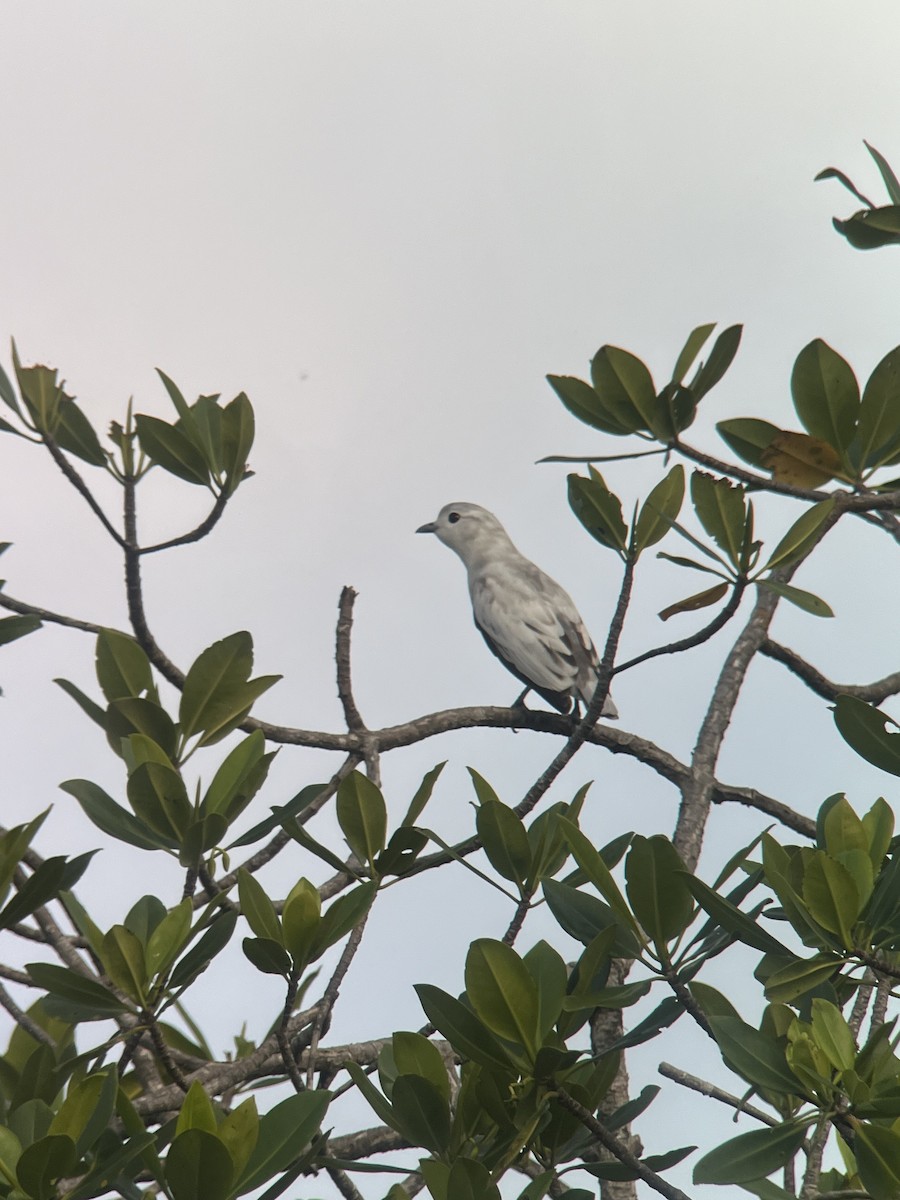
x,y
159,798
877,1152
284,1133
422,1112
748,437
168,938
548,971
826,394
134,714
660,509
810,603
123,668
832,1035
342,915
198,1167
13,628
112,819
721,508
502,992
75,434
754,1055
42,1163
416,1055
878,436
720,359
170,448
207,947
239,777
300,921
731,918
504,839
218,691
257,908
692,347
86,997
866,730
625,386
704,599
583,402
657,888
751,1156
831,894
583,917
799,976
598,510
362,816
802,535
462,1028
267,956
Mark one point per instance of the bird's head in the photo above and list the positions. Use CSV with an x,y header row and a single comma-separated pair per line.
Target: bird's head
x,y
466,528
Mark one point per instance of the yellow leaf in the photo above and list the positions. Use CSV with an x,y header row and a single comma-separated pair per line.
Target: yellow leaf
x,y
800,460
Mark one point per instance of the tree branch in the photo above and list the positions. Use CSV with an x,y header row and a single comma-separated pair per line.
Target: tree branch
x,y
708,1089
872,693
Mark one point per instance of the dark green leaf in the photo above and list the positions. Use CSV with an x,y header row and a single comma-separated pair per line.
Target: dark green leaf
x,y
748,437
865,729
598,510
721,507
91,1000
75,433
462,1028
213,940
878,437
43,1162
267,956
342,915
751,1156
362,816
504,839
502,992
754,1055
660,509
884,167
112,819
810,603
280,815
198,1167
422,1112
12,628
158,796
171,449
745,928
625,388
284,1133
423,795
692,347
123,668
720,359
583,402
802,535
237,438
826,394
657,888
217,688
877,1152
257,908
85,703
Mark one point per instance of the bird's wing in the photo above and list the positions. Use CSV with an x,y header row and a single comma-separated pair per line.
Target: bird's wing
x,y
533,625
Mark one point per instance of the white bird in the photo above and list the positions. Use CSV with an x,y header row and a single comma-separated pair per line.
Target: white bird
x,y
526,618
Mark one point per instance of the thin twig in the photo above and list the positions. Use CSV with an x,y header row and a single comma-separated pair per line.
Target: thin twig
x,y
290,1063
82,488
162,1050
330,995
714,1093
22,1018
342,660
197,534
872,693
616,1148
515,925
695,639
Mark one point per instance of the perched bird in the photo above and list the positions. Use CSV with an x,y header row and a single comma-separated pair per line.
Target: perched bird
x,y
525,617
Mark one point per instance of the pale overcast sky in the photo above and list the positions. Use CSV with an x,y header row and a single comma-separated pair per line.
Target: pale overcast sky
x,y
387,222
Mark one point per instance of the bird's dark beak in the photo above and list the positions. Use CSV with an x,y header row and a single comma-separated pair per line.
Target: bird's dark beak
x,y
429,528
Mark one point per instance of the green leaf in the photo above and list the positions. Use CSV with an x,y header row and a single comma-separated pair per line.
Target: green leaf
x,y
596,870
877,1152
799,976
483,789
502,992
598,510
720,359
280,815
826,394
93,710
722,511
865,729
13,628
751,1156
239,1131
423,795
731,918
660,509
657,888
692,347
582,916
878,435
583,402
704,599
257,908
802,535
90,999
122,956
832,1035
754,1055
416,1055
625,388
123,668
238,779
300,920
75,433
170,448
422,1112
198,1167
133,714
342,915
43,1162
504,840
201,954
362,816
462,1028
87,1109
168,938
197,1111
810,603
158,796
550,976
890,179
831,894
237,438
217,691
111,818
748,437
267,956
284,1133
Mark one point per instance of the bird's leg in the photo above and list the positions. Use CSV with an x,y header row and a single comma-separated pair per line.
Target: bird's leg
x,y
519,701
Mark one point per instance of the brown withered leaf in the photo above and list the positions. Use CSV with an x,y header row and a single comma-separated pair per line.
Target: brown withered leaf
x,y
800,460
701,600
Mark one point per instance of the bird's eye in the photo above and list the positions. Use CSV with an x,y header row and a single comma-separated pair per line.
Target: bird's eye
x,y
453,517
